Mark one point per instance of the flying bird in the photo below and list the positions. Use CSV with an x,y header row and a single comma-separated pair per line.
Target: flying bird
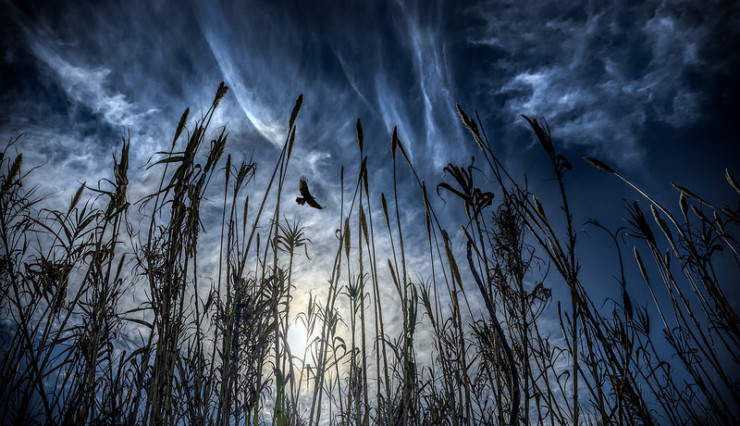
x,y
306,196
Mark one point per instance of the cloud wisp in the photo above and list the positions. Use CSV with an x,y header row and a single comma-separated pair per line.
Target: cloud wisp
x,y
89,86
602,71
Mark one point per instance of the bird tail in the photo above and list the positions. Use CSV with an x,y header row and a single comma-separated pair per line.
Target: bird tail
x,y
300,200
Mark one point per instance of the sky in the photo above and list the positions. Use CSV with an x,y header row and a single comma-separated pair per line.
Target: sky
x,y
648,87
645,86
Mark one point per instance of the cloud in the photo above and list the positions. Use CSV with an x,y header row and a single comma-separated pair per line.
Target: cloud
x,y
258,115
440,119
598,73
87,85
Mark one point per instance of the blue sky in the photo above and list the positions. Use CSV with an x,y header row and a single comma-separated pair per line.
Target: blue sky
x,y
628,83
649,87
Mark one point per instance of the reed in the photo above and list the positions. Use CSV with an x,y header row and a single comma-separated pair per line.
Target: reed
x,y
474,337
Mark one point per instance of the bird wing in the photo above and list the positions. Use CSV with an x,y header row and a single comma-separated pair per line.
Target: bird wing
x,y
312,202
303,188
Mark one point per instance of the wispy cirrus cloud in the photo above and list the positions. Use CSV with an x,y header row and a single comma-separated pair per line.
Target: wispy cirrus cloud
x,y
88,85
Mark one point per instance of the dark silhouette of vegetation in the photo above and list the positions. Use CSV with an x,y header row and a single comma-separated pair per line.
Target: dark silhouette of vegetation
x,y
209,344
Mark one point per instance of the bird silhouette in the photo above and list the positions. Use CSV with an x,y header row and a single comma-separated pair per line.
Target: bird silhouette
x,y
306,197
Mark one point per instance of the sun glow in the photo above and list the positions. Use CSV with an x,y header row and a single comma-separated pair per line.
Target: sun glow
x,y
299,342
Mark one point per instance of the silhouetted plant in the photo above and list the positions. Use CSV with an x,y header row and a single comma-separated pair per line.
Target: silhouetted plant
x,y
209,342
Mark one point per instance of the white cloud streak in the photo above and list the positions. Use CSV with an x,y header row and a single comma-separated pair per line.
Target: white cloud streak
x,y
87,86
